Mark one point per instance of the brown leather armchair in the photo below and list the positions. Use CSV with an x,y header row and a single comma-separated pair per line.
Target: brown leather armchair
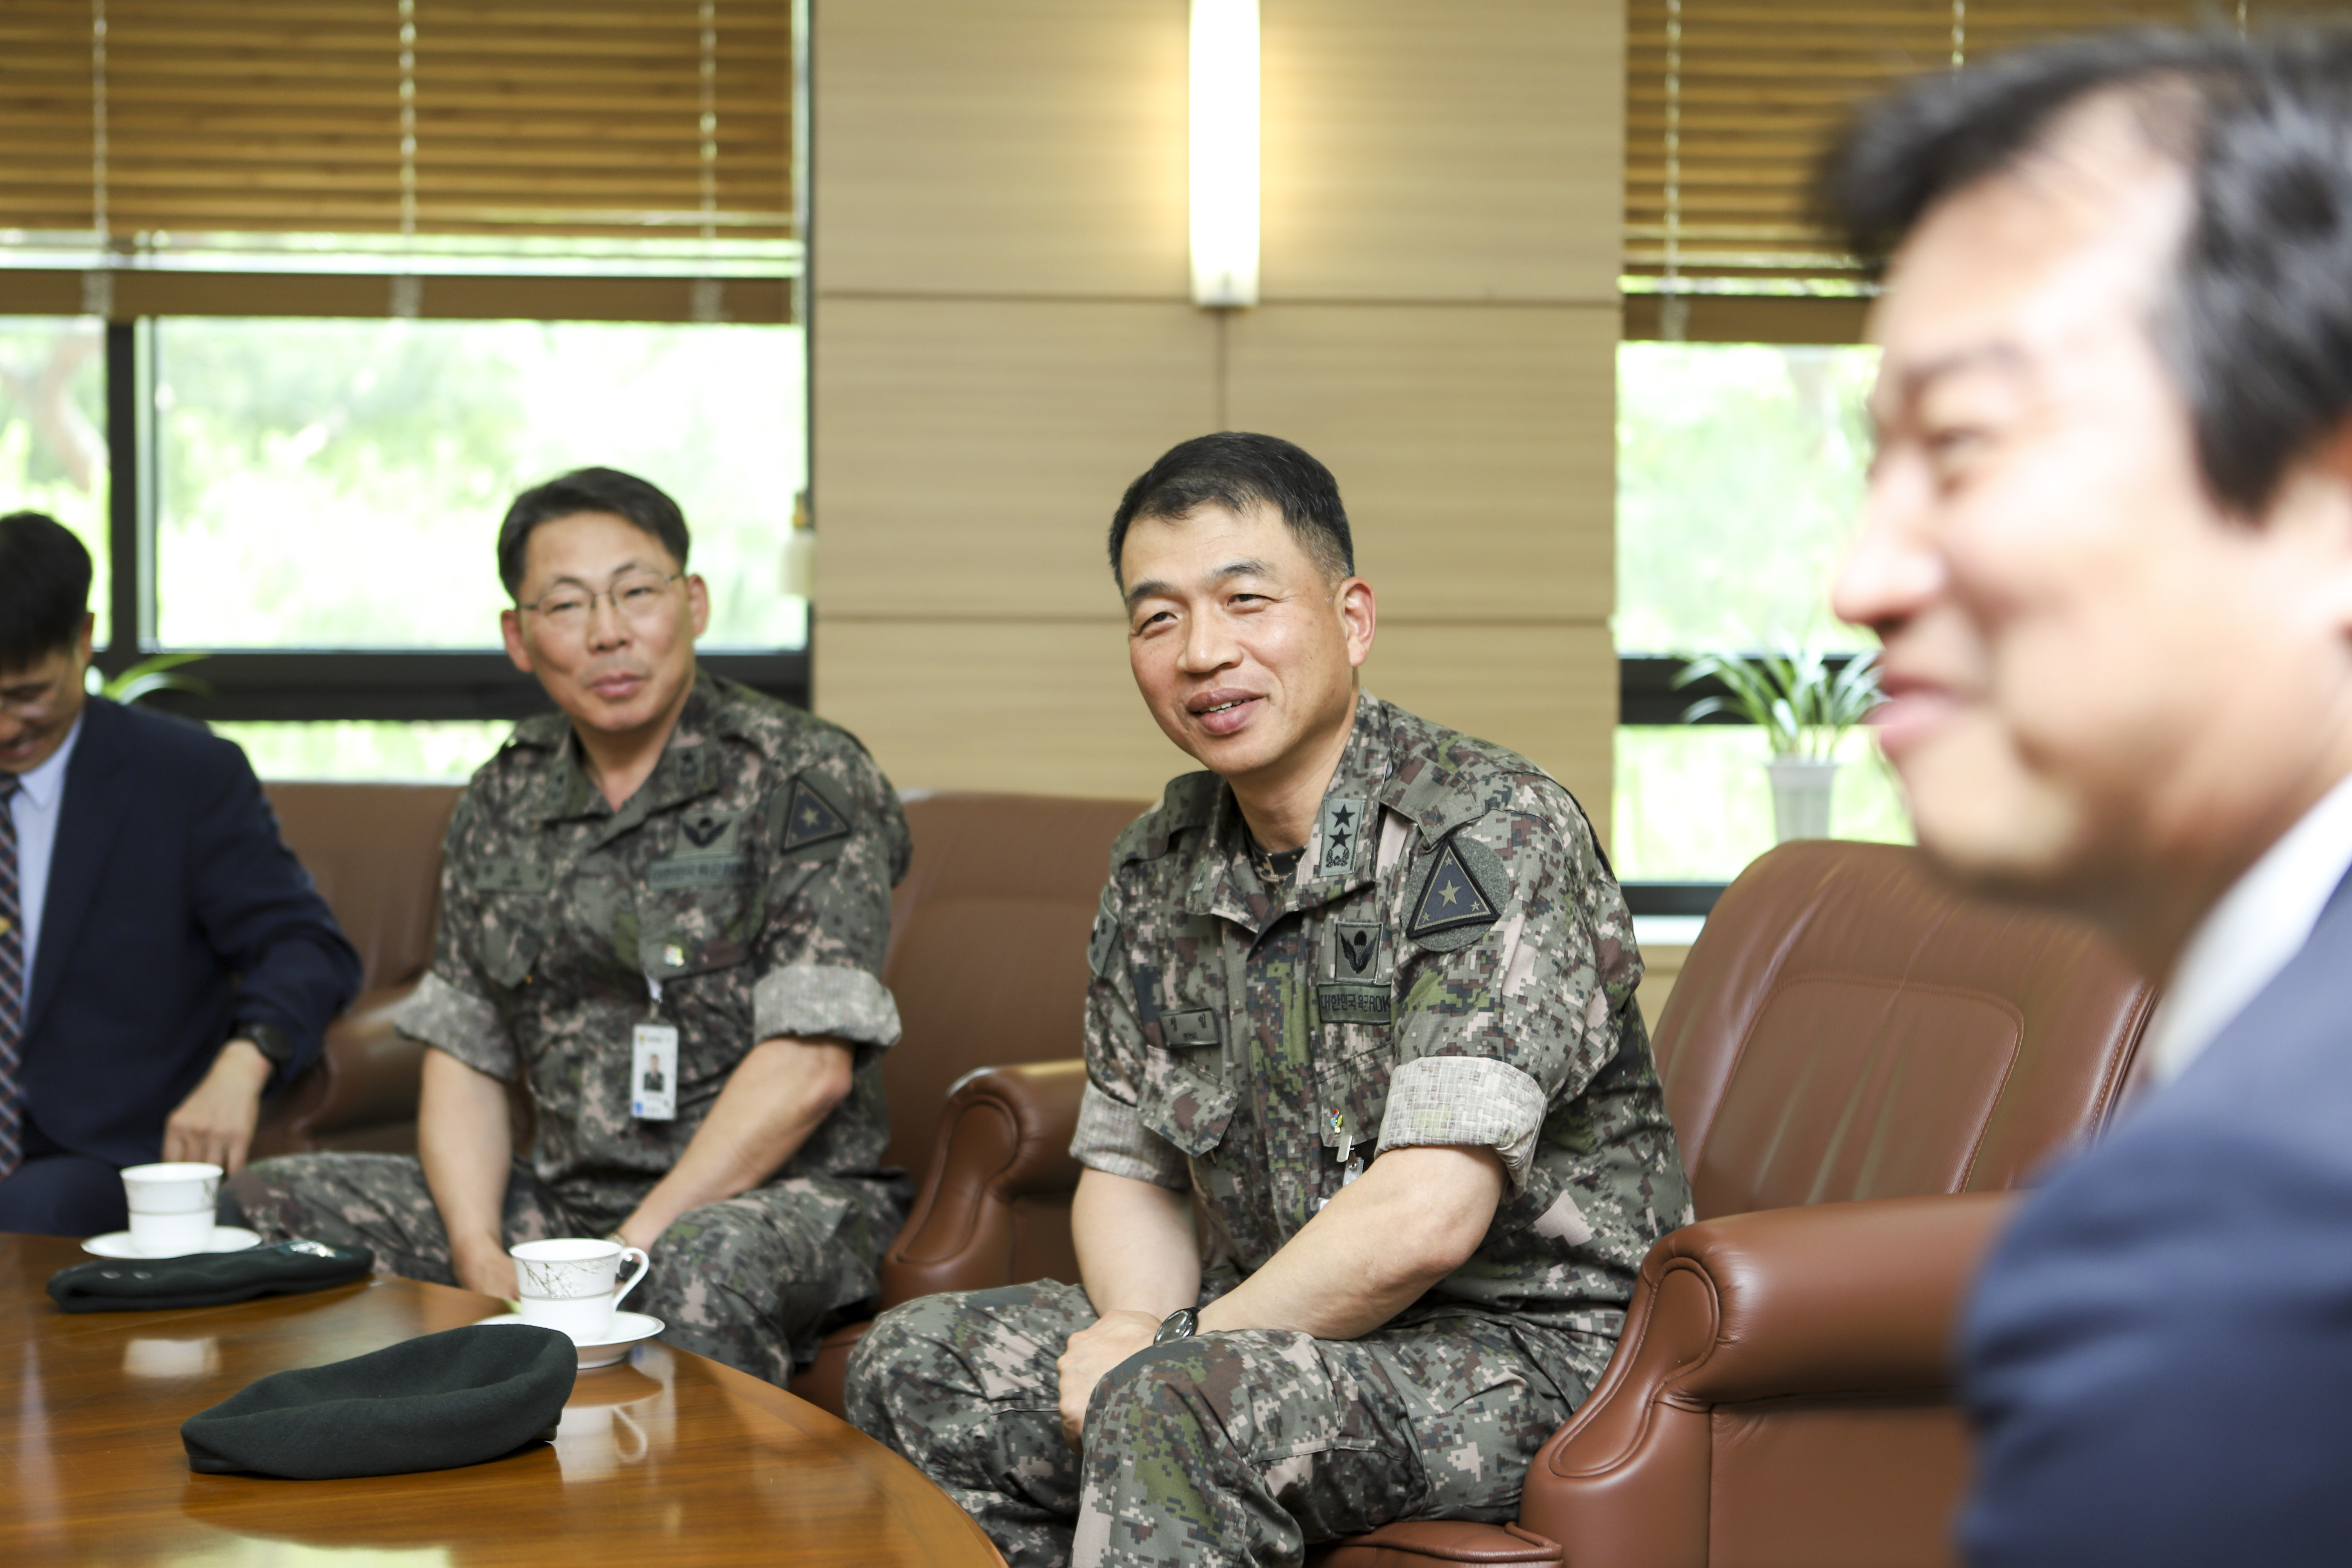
x,y
1860,1063
374,851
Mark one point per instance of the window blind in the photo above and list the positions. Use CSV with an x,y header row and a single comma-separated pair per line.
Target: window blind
x,y
1730,103
443,140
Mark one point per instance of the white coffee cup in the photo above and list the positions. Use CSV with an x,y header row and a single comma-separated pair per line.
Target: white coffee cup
x,y
171,1206
569,1284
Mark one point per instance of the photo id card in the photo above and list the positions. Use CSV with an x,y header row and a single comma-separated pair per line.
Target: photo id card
x,y
653,1072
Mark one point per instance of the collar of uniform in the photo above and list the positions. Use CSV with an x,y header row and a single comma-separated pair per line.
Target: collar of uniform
x,y
685,770
1224,881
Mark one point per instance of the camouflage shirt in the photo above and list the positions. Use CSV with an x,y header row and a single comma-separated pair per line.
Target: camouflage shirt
x,y
1451,964
749,876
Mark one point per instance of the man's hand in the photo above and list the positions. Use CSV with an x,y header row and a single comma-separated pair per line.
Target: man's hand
x,y
482,1264
215,1123
1092,1351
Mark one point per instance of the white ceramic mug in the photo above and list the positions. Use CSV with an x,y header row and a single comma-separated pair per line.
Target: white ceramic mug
x,y
569,1284
171,1206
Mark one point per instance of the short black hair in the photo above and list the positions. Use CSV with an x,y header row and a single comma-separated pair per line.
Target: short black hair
x,y
44,588
588,489
1238,469
2256,322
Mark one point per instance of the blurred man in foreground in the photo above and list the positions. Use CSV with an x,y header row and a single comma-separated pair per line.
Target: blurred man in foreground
x,y
663,912
2108,548
164,958
1373,1140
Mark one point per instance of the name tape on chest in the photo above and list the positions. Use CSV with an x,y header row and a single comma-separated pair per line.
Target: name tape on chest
x,y
1458,897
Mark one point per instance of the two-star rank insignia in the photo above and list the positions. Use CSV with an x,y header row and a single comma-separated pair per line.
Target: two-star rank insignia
x,y
1341,826
1459,895
810,818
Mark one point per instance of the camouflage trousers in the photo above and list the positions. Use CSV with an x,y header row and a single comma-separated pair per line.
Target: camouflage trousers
x,y
1223,1448
750,1281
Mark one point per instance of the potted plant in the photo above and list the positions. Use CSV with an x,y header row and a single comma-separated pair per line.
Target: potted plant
x,y
1804,705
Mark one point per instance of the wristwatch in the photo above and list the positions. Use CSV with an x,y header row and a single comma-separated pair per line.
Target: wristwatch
x,y
268,1040
1180,1324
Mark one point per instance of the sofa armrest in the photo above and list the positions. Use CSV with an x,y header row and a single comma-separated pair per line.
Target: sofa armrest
x,y
1847,1297
1005,1135
1830,1300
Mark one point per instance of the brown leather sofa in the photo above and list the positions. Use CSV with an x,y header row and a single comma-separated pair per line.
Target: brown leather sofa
x,y
1860,1063
375,851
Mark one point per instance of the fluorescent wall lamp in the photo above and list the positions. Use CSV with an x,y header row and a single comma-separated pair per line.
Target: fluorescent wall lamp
x,y
1225,152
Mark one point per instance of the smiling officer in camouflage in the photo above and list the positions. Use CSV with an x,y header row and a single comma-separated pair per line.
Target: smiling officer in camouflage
x,y
1367,1087
669,850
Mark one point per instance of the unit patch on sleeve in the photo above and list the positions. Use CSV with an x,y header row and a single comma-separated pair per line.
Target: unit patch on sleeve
x,y
811,818
1458,897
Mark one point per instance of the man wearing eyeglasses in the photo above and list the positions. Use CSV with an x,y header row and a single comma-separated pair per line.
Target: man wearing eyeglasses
x,y
663,914
164,958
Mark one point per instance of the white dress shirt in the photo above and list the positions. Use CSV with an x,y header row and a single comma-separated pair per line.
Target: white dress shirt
x,y
40,797
2247,938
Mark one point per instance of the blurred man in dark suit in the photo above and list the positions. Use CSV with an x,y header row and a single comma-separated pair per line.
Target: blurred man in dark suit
x,y
2108,548
164,958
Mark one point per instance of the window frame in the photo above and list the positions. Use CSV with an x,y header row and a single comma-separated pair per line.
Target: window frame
x,y
310,685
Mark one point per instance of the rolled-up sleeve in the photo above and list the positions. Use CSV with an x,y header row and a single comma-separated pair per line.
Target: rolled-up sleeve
x,y
1470,1102
1112,1138
459,1023
1499,1030
813,999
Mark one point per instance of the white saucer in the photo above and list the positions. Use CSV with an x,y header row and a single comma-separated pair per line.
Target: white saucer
x,y
117,1244
629,1328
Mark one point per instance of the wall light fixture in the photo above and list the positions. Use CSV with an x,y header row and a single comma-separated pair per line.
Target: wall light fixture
x,y
1224,153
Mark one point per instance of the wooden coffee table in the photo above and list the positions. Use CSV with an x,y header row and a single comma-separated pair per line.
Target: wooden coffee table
x,y
666,1458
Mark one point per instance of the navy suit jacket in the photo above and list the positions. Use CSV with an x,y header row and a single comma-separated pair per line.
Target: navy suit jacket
x,y
2158,1356
174,911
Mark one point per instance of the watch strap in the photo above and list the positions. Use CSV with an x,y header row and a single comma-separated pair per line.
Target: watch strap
x,y
268,1040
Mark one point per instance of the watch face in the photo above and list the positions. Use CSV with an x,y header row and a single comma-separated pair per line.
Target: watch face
x,y
1178,1325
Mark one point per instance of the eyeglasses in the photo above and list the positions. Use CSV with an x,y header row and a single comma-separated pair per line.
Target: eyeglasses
x,y
636,596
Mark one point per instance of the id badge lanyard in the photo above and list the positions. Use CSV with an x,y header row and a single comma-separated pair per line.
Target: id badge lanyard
x,y
653,1062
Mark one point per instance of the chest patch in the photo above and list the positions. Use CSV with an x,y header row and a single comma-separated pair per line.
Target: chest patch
x,y
1458,897
705,827
1357,943
811,818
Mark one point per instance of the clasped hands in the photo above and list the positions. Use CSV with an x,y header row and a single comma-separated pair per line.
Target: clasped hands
x,y
1092,1351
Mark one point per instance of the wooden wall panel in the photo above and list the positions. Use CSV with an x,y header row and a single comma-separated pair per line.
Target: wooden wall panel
x,y
1032,147
1453,151
1001,340
1476,448
1549,693
1046,707
972,451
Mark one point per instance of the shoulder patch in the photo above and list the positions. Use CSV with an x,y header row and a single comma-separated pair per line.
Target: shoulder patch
x,y
1458,897
810,817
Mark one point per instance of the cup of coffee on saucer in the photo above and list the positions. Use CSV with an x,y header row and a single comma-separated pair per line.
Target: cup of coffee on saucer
x,y
573,1286
171,1206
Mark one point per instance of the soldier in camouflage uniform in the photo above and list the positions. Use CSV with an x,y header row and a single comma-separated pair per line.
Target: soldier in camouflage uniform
x,y
741,894
1445,963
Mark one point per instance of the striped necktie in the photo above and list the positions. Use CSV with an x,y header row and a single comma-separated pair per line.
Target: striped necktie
x,y
13,985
